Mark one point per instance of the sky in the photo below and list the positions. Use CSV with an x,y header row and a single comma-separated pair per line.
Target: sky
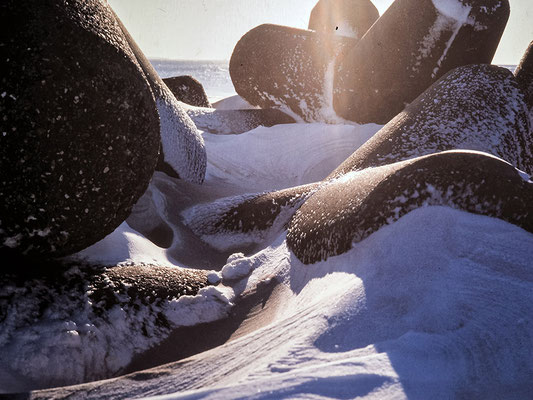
x,y
209,29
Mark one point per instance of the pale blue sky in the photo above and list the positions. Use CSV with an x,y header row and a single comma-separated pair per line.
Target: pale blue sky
x,y
209,29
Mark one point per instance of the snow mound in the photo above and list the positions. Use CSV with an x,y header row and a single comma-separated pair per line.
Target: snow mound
x,y
283,155
235,102
122,246
437,304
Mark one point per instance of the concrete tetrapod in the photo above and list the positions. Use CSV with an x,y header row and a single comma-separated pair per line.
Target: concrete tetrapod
x,y
80,137
351,208
412,45
350,18
183,152
476,107
188,90
67,322
291,69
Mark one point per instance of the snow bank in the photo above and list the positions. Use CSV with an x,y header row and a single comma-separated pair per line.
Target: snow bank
x,y
282,156
437,304
124,245
235,102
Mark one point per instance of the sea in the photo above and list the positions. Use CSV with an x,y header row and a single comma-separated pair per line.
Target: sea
x,y
213,75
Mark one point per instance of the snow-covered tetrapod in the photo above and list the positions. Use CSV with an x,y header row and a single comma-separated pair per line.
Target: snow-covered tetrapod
x,y
350,18
275,66
475,107
400,56
350,208
80,137
182,146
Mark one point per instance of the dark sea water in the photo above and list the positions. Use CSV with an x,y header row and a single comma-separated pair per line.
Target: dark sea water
x,y
213,75
509,67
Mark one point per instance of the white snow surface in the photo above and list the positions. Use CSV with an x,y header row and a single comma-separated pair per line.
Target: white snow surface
x,y
436,305
125,245
234,102
282,156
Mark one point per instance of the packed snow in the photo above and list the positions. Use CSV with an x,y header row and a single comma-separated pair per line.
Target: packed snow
x,y
436,305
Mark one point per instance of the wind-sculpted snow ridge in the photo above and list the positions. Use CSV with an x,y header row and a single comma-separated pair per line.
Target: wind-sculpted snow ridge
x,y
405,273
434,301
253,219
352,207
125,244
